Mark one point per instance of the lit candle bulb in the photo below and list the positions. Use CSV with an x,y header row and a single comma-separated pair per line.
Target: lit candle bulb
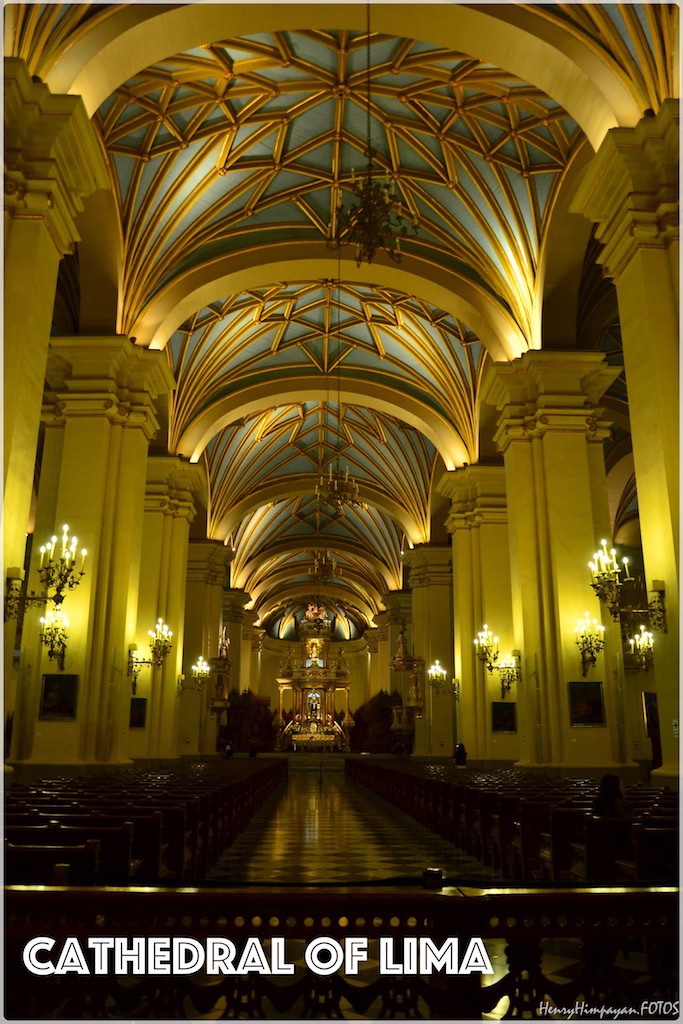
x,y
628,574
83,554
53,541
42,555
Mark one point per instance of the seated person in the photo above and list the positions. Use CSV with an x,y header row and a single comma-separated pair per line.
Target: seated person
x,y
610,801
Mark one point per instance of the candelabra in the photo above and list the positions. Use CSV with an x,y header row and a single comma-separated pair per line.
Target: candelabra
x,y
642,650
487,648
54,627
201,670
339,489
509,672
590,639
324,566
160,646
605,577
436,674
57,574
374,221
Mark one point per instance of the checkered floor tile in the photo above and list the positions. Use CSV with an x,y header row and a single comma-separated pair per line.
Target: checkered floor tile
x,y
323,829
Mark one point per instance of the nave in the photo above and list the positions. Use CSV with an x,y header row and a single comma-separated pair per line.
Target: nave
x,y
324,829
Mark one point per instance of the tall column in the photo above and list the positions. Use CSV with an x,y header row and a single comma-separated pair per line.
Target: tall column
x,y
169,509
631,193
52,162
551,431
371,637
207,576
234,619
100,416
431,583
481,595
399,605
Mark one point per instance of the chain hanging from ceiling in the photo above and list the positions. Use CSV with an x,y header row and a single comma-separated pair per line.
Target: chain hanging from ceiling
x,y
375,220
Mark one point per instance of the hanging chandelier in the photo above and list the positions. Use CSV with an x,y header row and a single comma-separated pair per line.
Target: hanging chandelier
x,y
324,566
338,488
375,220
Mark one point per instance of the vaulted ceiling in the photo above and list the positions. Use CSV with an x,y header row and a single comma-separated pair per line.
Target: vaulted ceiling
x,y
233,150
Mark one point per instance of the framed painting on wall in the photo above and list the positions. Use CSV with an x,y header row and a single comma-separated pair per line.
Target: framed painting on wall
x,y
586,704
503,716
58,698
138,713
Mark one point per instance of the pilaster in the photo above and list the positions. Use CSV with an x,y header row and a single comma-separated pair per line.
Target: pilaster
x,y
431,585
99,417
557,508
52,163
208,574
478,524
631,193
172,487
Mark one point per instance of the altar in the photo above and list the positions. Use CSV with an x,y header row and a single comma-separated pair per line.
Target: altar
x,y
311,741
316,681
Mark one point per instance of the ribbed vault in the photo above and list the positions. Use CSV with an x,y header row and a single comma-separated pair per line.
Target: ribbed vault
x,y
228,156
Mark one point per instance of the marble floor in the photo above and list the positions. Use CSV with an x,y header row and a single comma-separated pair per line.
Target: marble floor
x,y
323,829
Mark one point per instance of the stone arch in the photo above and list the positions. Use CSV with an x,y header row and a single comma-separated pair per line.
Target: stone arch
x,y
292,489
312,388
515,39
561,262
303,261
305,544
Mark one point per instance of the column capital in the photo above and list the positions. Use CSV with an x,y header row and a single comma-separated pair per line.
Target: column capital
x,y
630,190
543,392
207,562
429,565
371,640
478,494
398,604
172,486
233,605
108,376
53,158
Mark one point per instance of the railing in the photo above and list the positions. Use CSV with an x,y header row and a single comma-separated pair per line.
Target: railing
x,y
522,924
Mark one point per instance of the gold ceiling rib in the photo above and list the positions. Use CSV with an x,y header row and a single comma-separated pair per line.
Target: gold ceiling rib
x,y
253,137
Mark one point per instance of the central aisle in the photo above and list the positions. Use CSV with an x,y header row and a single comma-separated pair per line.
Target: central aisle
x,y
322,828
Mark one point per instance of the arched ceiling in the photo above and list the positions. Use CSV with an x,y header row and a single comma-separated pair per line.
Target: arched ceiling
x,y
245,141
335,332
229,158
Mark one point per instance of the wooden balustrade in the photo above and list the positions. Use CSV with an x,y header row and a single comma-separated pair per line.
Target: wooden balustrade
x,y
524,923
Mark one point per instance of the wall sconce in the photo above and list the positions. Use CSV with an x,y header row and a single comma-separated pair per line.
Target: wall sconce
x,y
590,639
509,671
56,574
159,647
201,670
487,647
53,635
436,674
642,650
605,579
